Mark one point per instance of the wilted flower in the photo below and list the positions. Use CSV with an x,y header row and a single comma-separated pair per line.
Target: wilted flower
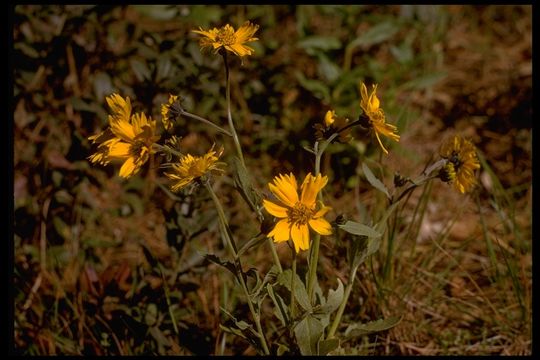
x,y
170,111
129,137
462,162
297,212
191,168
375,116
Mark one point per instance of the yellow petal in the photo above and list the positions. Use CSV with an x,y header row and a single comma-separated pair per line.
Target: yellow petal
x,y
119,150
285,189
380,143
373,100
300,237
122,129
321,226
128,168
329,118
322,212
274,209
311,187
281,231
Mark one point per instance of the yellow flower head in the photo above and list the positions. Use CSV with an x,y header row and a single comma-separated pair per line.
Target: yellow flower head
x,y
461,153
376,119
129,137
329,118
169,112
190,168
225,37
297,212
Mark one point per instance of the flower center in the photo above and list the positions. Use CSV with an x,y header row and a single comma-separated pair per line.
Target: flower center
x,y
197,168
138,148
226,37
454,159
300,214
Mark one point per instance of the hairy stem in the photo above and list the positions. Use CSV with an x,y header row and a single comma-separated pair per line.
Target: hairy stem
x,y
229,114
232,248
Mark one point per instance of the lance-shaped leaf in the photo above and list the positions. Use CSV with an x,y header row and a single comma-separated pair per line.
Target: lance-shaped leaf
x,y
242,182
280,307
300,292
308,332
376,183
358,329
325,346
335,297
355,228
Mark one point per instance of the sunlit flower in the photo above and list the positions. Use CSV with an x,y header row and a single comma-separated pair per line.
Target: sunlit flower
x,y
375,115
191,168
225,37
129,137
462,162
332,124
297,212
170,111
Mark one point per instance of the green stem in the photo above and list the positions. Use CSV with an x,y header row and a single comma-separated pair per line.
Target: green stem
x,y
232,248
167,149
229,114
275,255
208,122
341,309
293,277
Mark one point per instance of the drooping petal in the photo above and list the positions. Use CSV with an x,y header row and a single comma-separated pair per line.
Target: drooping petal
x,y
274,209
119,150
300,237
321,226
128,168
281,231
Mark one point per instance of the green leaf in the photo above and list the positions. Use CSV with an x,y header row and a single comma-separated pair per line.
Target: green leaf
x,y
282,349
300,292
376,183
253,242
375,35
325,346
308,332
327,69
335,297
355,228
355,330
102,85
280,307
317,87
313,44
226,264
425,81
140,69
157,12
243,184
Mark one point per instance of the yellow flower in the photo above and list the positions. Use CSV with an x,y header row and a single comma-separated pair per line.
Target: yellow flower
x,y
370,105
190,168
297,212
461,153
229,39
129,138
329,118
169,112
